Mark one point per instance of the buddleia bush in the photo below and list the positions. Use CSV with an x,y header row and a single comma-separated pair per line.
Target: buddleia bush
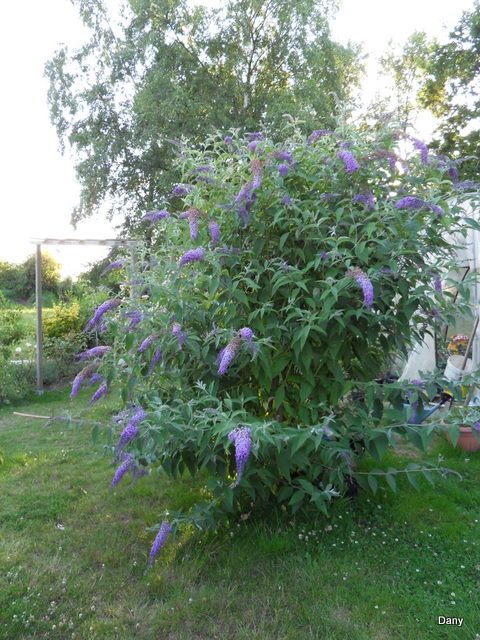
x,y
285,279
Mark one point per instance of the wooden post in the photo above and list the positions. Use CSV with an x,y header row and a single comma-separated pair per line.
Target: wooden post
x,y
38,297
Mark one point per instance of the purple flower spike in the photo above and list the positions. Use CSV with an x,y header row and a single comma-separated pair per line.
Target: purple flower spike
x,y
283,169
256,135
287,201
148,342
411,202
316,135
247,335
154,216
135,318
244,193
181,190
108,305
193,214
366,286
214,229
101,391
368,200
194,255
417,383
131,429
81,377
422,147
283,155
476,426
253,145
122,470
437,283
349,159
163,533
228,140
94,352
453,173
324,255
177,331
257,170
227,354
157,356
96,377
242,439
118,264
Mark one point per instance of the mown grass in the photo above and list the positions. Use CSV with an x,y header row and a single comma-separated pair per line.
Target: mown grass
x,y
73,553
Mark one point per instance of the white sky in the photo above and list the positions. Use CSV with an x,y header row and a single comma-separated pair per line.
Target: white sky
x,y
38,187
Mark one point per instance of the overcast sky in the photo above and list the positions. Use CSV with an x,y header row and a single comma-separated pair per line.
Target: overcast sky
x,y
38,188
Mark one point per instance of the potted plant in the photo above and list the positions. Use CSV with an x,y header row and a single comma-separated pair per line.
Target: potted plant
x,y
464,427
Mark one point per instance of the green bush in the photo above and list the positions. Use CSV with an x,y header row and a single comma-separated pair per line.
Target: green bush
x,y
16,380
11,330
258,353
62,320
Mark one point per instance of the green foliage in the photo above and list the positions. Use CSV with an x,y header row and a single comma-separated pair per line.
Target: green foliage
x,y
450,89
295,269
17,281
171,71
17,380
63,319
11,330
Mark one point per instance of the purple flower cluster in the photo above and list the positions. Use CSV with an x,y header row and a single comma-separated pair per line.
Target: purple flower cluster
x,y
96,377
117,264
256,135
177,332
287,201
157,356
94,352
101,391
108,305
154,216
80,378
247,336
252,146
437,283
317,134
214,229
193,215
368,200
283,169
135,316
412,202
422,147
181,190
365,284
453,173
122,469
131,429
227,354
242,439
193,255
257,170
349,159
285,156
148,342
163,533
228,141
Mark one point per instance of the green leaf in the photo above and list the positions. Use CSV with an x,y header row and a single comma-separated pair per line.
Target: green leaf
x,y
372,482
392,483
413,480
297,497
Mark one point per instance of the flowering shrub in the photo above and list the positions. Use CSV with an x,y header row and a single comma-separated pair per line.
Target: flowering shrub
x,y
267,320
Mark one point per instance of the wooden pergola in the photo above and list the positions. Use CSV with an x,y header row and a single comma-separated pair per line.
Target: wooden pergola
x,y
130,243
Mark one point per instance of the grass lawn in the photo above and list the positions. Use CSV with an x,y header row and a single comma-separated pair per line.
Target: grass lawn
x,y
73,553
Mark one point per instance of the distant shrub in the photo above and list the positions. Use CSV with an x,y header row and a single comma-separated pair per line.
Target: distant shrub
x,y
16,380
11,330
64,319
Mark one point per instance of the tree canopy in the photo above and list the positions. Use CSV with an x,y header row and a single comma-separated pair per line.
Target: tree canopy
x,y
170,70
451,89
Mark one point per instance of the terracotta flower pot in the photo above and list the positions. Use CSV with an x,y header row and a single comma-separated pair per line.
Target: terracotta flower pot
x,y
466,440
